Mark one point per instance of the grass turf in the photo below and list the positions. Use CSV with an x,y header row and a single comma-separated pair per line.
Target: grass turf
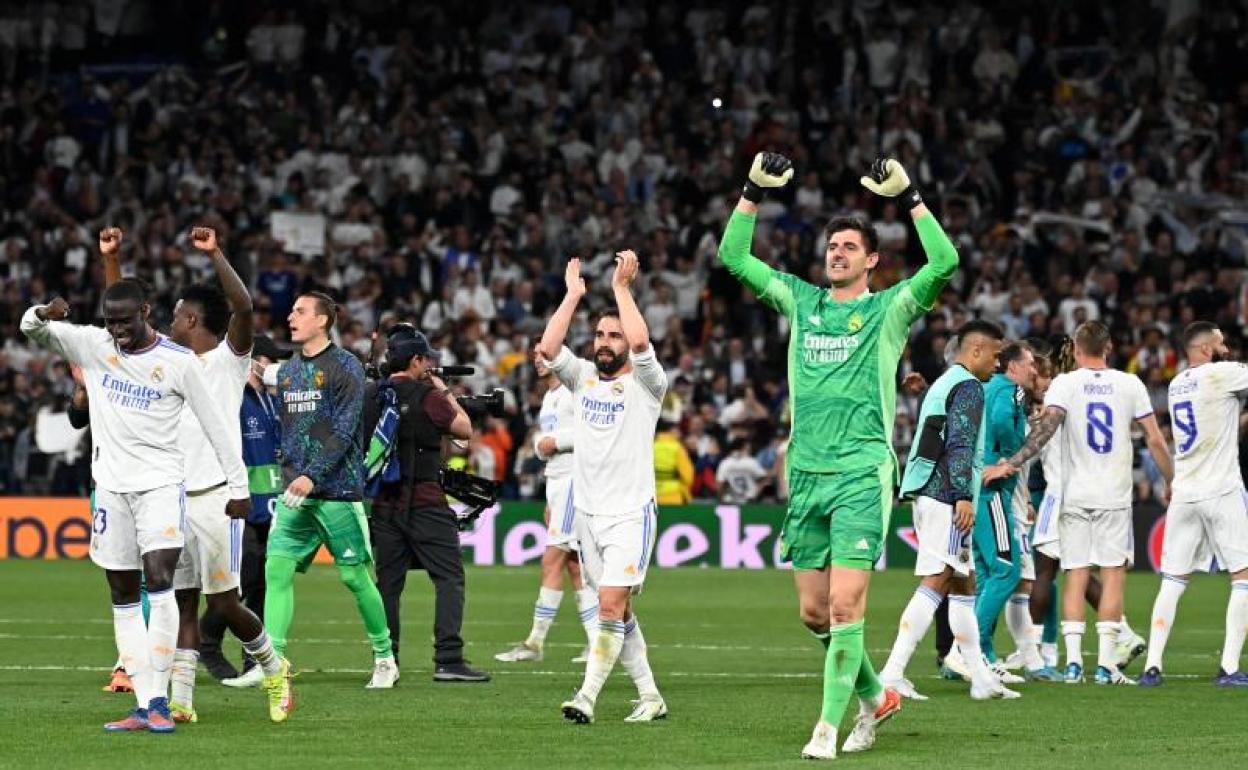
x,y
740,675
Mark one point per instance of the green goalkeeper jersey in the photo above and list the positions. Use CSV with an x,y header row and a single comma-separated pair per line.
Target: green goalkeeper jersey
x,y
842,361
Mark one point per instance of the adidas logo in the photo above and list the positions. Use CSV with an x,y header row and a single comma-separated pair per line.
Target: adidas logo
x,y
347,554
862,545
815,320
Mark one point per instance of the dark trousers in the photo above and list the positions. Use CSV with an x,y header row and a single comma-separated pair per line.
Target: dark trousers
x,y
428,539
251,584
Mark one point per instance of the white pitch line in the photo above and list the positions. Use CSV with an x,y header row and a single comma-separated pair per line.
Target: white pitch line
x,y
538,672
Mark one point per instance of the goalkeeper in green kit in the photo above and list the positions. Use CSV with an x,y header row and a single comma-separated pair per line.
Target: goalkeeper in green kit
x,y
842,367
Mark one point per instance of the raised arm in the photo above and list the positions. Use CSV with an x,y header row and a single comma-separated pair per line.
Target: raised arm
x,y
770,171
110,250
636,334
241,329
889,179
557,327
45,325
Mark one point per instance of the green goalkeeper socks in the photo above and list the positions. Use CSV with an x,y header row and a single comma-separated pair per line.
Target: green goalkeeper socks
x,y
841,670
279,599
868,685
368,599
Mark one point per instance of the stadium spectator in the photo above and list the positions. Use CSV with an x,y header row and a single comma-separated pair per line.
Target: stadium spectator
x,y
1088,162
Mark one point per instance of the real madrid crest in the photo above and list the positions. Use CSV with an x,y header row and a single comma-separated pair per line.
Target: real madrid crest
x,y
855,322
158,374
617,387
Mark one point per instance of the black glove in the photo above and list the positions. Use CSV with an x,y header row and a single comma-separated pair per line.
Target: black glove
x,y
770,170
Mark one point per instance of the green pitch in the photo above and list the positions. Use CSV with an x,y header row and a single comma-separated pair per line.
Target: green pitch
x,y
739,673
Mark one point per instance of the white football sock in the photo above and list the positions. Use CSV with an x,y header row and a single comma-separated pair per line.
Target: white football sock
x,y
1018,620
965,628
1236,626
1165,606
1124,629
183,677
1048,653
633,658
915,620
1072,631
608,643
162,639
1107,648
544,612
587,607
261,650
131,636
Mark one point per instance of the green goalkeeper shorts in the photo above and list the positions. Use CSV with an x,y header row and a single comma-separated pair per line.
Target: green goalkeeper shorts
x,y
340,526
837,518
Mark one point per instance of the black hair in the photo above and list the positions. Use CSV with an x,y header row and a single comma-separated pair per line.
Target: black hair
x,y
863,228
980,326
1196,330
127,289
214,309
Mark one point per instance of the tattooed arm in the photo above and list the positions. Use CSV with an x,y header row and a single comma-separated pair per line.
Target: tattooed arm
x,y
1041,432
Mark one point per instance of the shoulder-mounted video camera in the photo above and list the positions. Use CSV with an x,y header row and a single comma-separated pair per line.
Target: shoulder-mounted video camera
x,y
476,492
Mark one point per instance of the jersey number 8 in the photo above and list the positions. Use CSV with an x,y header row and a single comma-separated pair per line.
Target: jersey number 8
x,y
1100,428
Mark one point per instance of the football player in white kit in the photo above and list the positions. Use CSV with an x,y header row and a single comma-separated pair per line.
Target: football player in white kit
x,y
212,558
138,382
1208,515
554,445
618,397
1097,405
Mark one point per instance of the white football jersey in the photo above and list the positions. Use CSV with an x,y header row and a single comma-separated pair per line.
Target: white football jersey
x,y
556,419
226,374
1204,418
136,401
1051,463
613,465
1100,406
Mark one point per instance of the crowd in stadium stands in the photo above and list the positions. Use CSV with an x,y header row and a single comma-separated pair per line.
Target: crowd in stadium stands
x,y
1087,159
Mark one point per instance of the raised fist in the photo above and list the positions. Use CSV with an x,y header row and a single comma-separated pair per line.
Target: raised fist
x,y
110,241
56,310
770,170
886,178
204,238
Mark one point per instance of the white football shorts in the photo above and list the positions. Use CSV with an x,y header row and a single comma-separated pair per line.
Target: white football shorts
x,y
941,544
213,554
616,550
1096,537
126,525
1201,531
1044,536
561,504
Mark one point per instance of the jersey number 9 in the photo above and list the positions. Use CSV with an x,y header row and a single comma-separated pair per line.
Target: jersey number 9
x,y
1185,421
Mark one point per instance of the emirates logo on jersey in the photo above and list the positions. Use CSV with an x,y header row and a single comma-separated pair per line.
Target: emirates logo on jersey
x,y
158,374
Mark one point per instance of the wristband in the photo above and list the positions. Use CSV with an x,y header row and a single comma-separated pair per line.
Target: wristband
x,y
752,192
910,197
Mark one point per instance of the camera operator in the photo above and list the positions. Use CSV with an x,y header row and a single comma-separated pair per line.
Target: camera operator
x,y
413,527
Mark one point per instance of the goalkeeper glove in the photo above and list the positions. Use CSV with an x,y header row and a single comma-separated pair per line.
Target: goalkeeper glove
x,y
889,179
771,170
